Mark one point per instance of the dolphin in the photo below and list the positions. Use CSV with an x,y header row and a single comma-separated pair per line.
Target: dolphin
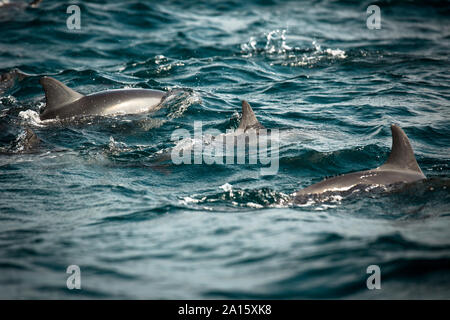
x,y
26,142
400,167
9,79
248,119
63,102
247,124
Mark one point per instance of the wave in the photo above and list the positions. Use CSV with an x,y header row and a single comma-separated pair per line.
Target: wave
x,y
276,50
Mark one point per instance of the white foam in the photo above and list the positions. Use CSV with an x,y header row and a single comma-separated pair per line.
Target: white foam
x,y
338,53
226,187
31,117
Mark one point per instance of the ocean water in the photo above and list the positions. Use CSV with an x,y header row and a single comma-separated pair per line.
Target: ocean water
x,y
95,195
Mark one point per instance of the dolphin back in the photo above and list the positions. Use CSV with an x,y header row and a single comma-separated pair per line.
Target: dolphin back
x,y
401,166
57,95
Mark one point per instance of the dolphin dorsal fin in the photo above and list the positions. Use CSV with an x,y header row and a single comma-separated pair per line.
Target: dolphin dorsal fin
x,y
248,119
402,154
58,94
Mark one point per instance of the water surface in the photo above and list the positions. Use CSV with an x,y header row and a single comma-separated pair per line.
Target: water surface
x,y
93,196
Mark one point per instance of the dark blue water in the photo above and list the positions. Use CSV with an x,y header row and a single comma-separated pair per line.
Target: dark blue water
x,y
92,195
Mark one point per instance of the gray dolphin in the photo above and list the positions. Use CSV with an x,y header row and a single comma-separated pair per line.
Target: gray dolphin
x,y
400,167
63,102
26,142
248,122
9,79
248,119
